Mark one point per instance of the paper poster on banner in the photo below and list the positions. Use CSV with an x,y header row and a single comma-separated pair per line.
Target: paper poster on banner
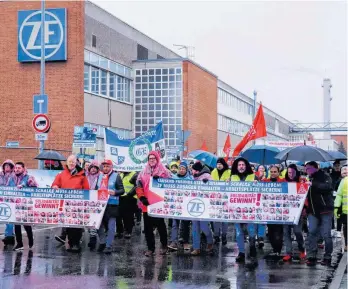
x,y
63,208
44,178
238,202
85,143
131,154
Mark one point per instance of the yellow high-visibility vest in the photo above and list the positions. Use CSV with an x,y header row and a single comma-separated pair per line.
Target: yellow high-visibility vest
x,y
249,178
126,184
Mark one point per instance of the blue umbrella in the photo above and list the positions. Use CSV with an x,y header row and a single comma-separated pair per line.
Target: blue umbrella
x,y
338,156
304,154
261,154
205,157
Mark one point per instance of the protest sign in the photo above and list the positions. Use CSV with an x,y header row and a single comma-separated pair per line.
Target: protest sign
x,y
60,207
282,145
238,202
85,143
131,154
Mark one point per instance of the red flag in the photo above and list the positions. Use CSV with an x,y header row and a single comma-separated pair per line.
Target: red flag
x,y
257,130
227,147
204,147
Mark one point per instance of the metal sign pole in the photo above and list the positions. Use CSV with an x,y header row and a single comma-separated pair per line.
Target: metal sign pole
x,y
42,78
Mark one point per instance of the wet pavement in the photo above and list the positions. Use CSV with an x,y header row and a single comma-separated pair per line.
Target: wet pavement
x,y
49,266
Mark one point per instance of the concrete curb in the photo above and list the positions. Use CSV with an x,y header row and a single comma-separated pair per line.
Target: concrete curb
x,y
342,266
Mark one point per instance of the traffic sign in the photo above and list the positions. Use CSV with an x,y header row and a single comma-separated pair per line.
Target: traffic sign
x,y
41,136
40,103
41,123
12,144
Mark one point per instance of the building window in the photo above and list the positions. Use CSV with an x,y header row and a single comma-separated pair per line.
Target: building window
x,y
103,82
112,80
86,78
94,40
95,80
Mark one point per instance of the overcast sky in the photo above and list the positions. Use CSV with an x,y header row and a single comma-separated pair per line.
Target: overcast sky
x,y
281,49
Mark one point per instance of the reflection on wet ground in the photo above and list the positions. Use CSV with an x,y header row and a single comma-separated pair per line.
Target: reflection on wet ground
x,y
50,266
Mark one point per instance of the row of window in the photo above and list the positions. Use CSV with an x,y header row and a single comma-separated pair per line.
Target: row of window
x,y
105,83
232,126
107,64
158,71
228,99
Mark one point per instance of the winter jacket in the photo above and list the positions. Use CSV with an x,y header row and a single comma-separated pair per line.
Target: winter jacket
x,y
342,196
224,177
6,177
203,174
320,197
23,180
335,178
65,180
247,176
185,177
278,180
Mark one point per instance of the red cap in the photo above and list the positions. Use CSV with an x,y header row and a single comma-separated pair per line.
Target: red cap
x,y
107,162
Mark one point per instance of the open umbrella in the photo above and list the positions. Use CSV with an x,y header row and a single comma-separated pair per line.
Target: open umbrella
x,y
338,156
205,157
261,154
50,155
303,154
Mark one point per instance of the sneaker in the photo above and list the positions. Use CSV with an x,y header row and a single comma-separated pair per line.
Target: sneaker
x,y
149,253
127,236
19,247
216,240
107,250
173,246
164,250
287,258
195,252
311,262
60,239
273,256
302,255
101,248
338,235
224,240
261,243
326,262
240,258
187,247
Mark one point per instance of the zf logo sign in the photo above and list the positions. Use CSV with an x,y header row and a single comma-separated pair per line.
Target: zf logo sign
x,y
195,207
5,212
29,35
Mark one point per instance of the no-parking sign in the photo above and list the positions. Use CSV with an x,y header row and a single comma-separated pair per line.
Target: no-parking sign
x,y
41,123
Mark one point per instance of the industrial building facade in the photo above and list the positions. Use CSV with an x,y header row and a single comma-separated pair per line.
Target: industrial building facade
x,y
117,77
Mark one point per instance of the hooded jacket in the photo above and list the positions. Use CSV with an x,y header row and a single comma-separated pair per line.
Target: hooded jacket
x,y
93,179
221,175
66,180
203,174
6,177
320,197
248,175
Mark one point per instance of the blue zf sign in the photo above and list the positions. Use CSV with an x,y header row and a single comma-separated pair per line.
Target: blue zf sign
x,y
29,35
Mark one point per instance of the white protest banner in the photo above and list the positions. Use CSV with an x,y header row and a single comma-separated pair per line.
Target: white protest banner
x,y
44,178
238,202
282,145
43,206
131,154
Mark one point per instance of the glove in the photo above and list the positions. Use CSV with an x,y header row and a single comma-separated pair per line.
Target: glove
x,y
155,177
145,201
337,215
205,180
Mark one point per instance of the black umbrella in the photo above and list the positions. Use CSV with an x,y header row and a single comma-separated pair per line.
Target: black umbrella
x,y
304,153
50,155
338,156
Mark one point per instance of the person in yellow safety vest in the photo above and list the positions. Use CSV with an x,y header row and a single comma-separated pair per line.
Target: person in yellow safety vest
x,y
242,172
341,205
128,205
221,173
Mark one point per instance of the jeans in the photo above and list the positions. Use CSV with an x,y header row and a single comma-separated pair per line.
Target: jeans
x,y
18,231
321,224
220,227
149,223
299,237
275,236
181,230
107,231
9,230
197,228
240,236
261,230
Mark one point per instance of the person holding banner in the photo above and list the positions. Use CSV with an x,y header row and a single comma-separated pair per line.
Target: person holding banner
x,y
154,168
21,179
320,213
111,181
181,225
275,231
221,173
242,172
293,175
5,177
73,177
201,173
